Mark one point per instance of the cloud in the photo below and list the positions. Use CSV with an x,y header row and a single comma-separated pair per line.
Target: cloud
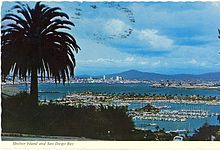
x,y
164,37
193,61
111,61
156,63
129,59
197,63
139,41
100,56
185,22
154,39
115,27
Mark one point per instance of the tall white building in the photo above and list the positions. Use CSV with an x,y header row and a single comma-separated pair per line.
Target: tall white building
x,y
118,78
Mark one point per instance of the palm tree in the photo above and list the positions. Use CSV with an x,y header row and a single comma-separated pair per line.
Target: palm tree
x,y
35,42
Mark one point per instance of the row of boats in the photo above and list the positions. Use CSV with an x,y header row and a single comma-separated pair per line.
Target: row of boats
x,y
170,115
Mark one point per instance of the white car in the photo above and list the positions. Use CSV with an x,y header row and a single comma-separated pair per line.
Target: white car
x,y
178,138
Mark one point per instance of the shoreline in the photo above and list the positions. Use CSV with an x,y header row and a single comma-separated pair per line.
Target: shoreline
x,y
203,87
91,98
191,87
12,89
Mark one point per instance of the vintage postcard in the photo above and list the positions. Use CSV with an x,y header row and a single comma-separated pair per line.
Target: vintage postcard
x,y
109,71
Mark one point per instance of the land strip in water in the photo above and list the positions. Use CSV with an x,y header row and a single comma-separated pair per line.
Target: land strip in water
x,y
92,98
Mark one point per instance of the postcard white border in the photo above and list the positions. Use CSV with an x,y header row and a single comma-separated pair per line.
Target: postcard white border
x,y
111,145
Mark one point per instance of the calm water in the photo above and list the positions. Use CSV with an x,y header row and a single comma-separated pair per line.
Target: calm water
x,y
59,91
190,124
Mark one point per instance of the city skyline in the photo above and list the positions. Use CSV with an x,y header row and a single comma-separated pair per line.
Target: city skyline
x,y
166,38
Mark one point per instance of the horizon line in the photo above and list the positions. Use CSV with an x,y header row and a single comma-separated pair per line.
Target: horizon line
x,y
89,74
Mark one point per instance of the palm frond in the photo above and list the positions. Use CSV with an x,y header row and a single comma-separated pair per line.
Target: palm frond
x,y
35,37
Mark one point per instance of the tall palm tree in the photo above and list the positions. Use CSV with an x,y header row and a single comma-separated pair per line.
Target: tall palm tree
x,y
35,42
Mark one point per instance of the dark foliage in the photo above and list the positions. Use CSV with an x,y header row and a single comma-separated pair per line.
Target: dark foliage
x,y
19,115
206,132
34,41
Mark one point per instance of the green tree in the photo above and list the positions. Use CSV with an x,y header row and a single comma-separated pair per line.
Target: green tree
x,y
206,133
35,42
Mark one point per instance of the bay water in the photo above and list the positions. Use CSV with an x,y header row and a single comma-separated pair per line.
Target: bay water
x,y
52,91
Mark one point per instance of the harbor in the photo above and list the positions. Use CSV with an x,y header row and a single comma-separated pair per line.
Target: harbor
x,y
173,114
188,110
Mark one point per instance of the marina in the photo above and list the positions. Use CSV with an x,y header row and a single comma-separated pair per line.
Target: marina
x,y
174,115
187,113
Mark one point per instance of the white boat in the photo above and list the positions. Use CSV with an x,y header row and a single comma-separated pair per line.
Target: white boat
x,y
152,124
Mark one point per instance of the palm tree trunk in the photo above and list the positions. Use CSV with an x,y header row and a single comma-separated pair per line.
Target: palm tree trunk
x,y
34,85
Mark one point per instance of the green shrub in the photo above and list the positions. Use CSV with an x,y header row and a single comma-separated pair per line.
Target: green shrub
x,y
20,116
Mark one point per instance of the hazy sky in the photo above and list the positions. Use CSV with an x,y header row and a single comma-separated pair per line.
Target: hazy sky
x,y
157,37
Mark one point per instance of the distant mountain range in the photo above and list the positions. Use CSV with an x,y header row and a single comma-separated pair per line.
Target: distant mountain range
x,y
135,74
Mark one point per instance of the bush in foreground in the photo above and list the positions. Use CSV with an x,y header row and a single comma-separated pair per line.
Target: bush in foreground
x,y
19,115
207,133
